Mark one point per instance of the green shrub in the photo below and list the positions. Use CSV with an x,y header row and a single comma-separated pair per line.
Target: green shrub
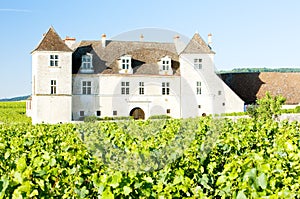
x,y
159,117
116,118
92,119
297,109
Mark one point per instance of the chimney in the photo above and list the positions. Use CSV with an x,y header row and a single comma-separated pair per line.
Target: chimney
x,y
176,37
209,40
179,44
69,41
142,37
103,40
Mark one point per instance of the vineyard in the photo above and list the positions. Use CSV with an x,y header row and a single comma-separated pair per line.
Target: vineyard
x,y
205,157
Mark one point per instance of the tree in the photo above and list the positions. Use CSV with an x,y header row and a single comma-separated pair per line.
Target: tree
x,y
267,107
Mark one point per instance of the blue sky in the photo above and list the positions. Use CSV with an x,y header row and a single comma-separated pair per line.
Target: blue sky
x,y
246,33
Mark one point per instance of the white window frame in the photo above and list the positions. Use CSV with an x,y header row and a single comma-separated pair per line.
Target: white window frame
x,y
125,62
198,63
86,62
125,88
166,63
165,88
86,87
141,88
53,60
53,87
198,88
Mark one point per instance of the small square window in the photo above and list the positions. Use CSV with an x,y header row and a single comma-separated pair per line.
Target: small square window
x,y
81,113
199,106
125,88
86,88
98,113
219,92
53,60
168,111
223,104
115,113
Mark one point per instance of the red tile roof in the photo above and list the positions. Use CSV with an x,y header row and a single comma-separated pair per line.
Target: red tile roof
x,y
252,86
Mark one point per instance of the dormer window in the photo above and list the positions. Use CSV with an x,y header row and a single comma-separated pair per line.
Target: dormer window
x,y
165,66
166,63
125,64
86,63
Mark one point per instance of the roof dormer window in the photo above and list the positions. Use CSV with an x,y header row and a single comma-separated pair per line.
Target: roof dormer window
x,y
165,66
86,63
166,63
125,64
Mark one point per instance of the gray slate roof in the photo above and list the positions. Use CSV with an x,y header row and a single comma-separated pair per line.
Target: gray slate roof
x,y
145,55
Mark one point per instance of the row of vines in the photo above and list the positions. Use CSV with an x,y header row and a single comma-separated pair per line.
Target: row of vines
x,y
187,158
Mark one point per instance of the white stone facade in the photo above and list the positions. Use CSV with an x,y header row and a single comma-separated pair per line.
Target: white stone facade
x,y
195,91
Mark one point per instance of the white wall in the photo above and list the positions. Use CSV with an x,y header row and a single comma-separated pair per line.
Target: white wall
x,y
87,103
47,107
110,99
53,109
215,98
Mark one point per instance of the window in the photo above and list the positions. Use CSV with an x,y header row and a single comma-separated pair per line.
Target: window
x,y
53,60
168,111
125,61
141,88
198,63
86,87
125,88
115,113
165,88
199,106
86,62
198,88
98,113
219,92
166,63
53,87
81,113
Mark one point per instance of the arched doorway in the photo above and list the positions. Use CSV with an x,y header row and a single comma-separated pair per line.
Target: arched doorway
x,y
137,114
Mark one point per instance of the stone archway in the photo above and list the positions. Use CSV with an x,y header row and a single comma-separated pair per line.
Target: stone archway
x,y
137,113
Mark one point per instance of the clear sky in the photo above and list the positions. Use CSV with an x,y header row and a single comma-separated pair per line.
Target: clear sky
x,y
246,33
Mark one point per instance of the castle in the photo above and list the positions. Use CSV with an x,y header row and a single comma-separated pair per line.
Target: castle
x,y
72,80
